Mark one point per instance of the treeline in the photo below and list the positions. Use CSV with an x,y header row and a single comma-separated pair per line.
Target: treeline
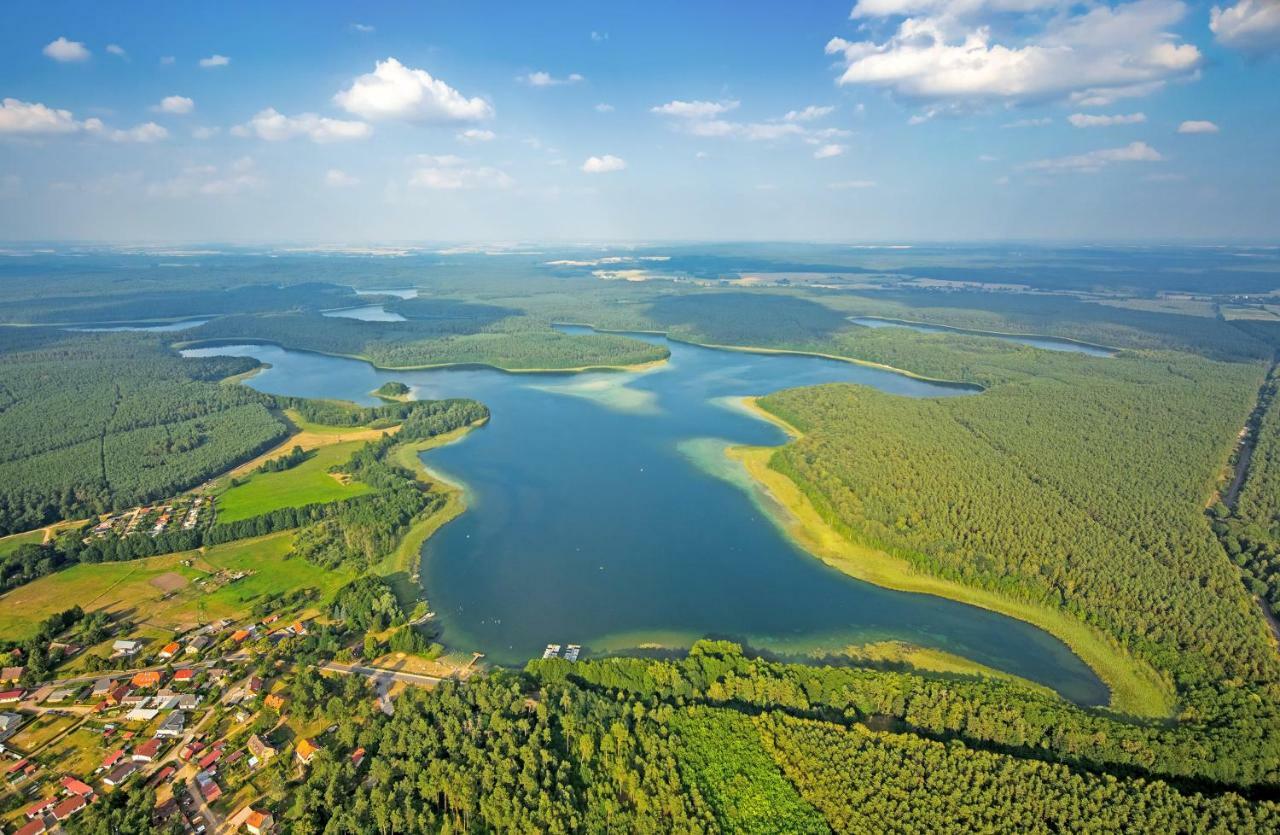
x,y
515,343
555,753
1080,488
1243,753
288,461
99,422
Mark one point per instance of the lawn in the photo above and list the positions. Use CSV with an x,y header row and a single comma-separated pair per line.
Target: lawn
x,y
40,730
161,593
308,483
10,543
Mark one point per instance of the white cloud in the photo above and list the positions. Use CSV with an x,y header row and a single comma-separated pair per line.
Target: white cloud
x,y
450,173
204,133
214,61
1197,126
336,178
145,133
1249,25
810,113
546,79
1097,160
844,185
66,51
362,27
959,50
602,107
117,50
1088,120
829,151
599,36
20,117
274,126
394,91
177,105
694,109
603,165
209,181
1028,123
476,135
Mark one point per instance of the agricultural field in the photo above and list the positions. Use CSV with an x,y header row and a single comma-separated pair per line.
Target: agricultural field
x,y
310,482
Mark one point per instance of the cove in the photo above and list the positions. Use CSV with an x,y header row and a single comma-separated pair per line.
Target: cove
x,y
1048,343
602,511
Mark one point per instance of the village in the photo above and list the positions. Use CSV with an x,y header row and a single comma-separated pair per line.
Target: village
x,y
183,513
204,721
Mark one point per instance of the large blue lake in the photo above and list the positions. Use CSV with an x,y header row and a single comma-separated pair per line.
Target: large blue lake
x,y
602,512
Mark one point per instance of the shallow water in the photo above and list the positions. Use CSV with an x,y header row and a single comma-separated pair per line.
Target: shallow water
x,y
1048,343
602,512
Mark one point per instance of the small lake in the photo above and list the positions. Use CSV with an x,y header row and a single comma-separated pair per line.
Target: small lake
x,y
161,327
367,313
602,512
1048,343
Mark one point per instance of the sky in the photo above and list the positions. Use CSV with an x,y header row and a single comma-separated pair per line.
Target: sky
x,y
874,121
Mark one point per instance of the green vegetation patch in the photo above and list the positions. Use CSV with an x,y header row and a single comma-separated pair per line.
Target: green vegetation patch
x,y
309,482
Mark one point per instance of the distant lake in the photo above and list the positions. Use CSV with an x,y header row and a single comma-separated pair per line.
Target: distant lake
x,y
404,293
368,313
602,512
162,327
1048,343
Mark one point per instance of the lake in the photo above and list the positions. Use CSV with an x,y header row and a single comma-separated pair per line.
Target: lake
x,y
1048,343
602,512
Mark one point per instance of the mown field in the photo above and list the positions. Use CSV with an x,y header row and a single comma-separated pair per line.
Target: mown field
x,y
307,483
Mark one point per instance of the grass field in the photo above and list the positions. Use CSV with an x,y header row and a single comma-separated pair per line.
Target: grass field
x,y
308,483
40,730
161,593
1136,688
9,544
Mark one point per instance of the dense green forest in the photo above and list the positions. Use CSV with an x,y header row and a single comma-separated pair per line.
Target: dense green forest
x,y
512,343
1080,487
95,422
556,750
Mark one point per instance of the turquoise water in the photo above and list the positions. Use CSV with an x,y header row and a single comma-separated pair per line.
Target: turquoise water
x,y
1048,343
602,512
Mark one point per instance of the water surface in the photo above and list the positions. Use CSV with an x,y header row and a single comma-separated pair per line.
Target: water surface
x,y
162,327
1048,343
602,512
366,313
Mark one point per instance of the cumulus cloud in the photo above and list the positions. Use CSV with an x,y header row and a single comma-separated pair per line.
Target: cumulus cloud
x,y
694,109
214,61
810,113
476,135
66,51
963,51
336,178
394,91
603,165
1097,160
1088,120
274,126
1197,126
177,105
209,181
1249,25
145,133
602,107
828,151
1028,123
546,79
364,28
117,50
450,173
21,117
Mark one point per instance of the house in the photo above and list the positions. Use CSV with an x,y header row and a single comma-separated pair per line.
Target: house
x,y
120,773
102,687
259,823
261,749
190,750
297,628
71,785
11,674
134,699
240,635
235,757
11,696
274,701
255,684
118,695
69,807
306,750
188,701
170,649
38,808
184,676
173,725
9,724
111,759
147,751
147,678
207,761
35,827
42,694
141,714
126,648
357,757
198,644
161,775
209,788
17,767
66,694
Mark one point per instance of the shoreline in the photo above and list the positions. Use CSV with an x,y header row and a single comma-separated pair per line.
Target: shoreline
x,y
1136,688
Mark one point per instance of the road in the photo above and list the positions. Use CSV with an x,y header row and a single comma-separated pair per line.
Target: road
x,y
379,673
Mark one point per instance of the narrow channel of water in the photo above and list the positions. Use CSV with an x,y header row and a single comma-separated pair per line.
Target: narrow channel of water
x,y
1048,343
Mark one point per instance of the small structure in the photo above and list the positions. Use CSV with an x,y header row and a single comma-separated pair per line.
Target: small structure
x,y
72,786
147,751
260,749
126,648
357,757
146,678
11,675
118,775
9,724
11,696
111,759
68,807
274,701
186,675
198,644
102,687
571,653
306,750
259,823
170,649
173,725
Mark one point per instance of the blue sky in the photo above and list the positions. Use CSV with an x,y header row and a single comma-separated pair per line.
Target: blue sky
x,y
870,121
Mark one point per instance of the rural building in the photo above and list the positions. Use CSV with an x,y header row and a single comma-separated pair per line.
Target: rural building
x,y
147,751
120,773
35,827
198,644
209,788
259,823
184,676
306,750
9,724
66,694
38,808
11,696
260,749
147,678
102,687
170,649
11,675
173,725
126,648
71,785
68,807
112,758
274,701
